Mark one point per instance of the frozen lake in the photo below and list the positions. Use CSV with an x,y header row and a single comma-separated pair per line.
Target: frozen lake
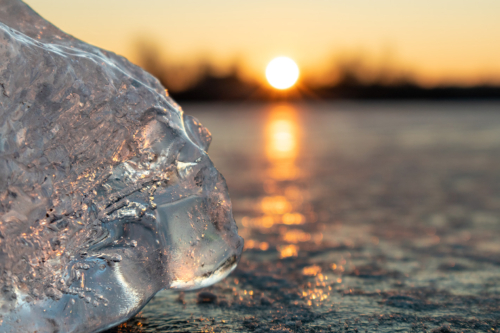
x,y
356,217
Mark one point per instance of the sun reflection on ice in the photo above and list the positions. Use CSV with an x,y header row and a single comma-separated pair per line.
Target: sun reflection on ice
x,y
282,142
283,204
282,219
288,251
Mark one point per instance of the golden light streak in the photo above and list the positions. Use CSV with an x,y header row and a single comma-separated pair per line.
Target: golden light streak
x,y
282,142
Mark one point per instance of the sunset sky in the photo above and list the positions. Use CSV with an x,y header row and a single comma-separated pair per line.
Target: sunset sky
x,y
437,41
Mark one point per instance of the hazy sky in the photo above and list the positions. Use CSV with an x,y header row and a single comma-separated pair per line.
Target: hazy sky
x,y
438,40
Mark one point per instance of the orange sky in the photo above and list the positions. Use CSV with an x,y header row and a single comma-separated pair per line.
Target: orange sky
x,y
437,40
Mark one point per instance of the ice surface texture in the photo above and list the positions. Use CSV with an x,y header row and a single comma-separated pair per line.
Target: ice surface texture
x,y
107,194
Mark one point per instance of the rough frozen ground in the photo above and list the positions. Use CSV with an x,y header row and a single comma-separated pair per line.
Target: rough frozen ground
x,y
406,198
107,194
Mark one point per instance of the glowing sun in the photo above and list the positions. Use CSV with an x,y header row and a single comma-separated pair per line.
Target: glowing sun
x,y
282,73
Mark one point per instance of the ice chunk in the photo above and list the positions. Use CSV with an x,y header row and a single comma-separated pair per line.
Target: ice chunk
x,y
107,194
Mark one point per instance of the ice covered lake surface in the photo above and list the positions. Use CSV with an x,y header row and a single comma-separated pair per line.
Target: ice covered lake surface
x,y
356,217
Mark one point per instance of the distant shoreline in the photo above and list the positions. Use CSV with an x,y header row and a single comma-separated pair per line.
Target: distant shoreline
x,y
231,89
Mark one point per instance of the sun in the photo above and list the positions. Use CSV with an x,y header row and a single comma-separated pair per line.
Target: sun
x,y
282,72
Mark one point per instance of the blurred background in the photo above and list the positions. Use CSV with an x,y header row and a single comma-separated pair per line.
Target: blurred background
x,y
365,185
361,49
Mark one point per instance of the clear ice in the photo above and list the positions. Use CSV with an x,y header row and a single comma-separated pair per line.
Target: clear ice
x,y
107,194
